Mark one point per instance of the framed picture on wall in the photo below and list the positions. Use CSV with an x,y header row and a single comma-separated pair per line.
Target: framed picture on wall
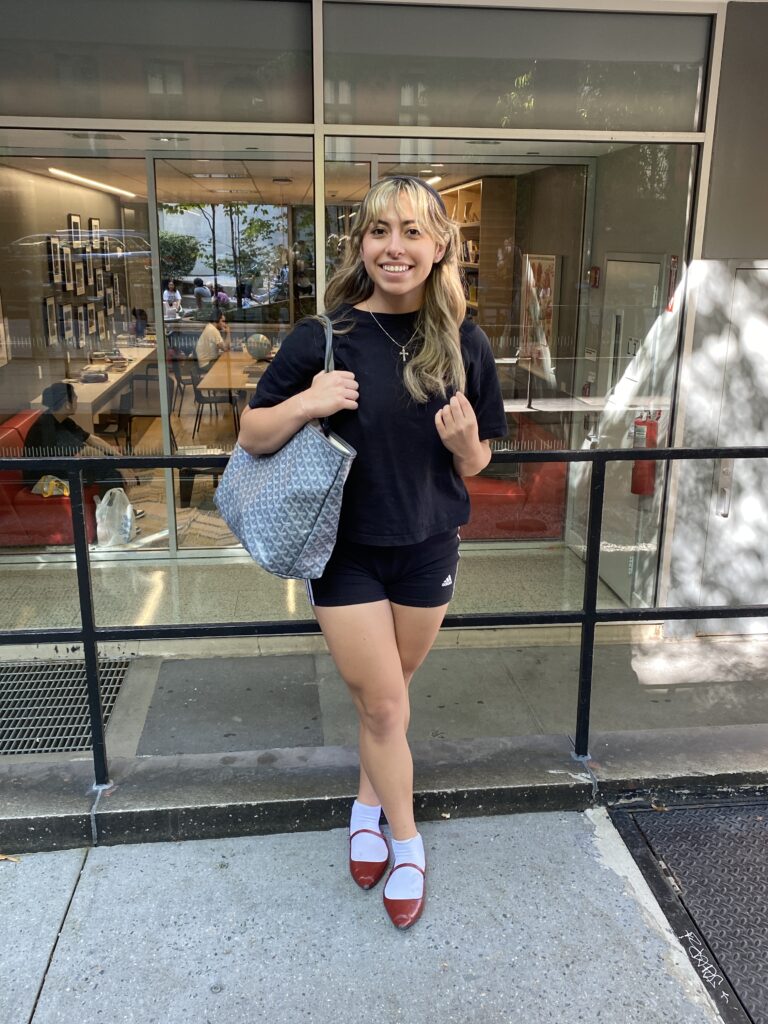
x,y
94,226
105,250
51,321
102,325
116,290
110,302
82,326
66,259
54,259
73,223
79,277
88,264
100,282
91,315
540,286
5,339
66,322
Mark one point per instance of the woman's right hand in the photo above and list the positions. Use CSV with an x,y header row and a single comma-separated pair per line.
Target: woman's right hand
x,y
330,393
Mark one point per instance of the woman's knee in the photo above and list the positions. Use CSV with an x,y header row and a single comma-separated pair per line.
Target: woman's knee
x,y
382,715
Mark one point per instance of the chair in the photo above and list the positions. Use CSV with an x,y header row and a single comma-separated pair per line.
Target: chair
x,y
118,424
182,378
187,477
150,373
211,400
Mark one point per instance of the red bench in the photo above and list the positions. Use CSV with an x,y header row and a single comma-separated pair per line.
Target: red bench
x,y
28,519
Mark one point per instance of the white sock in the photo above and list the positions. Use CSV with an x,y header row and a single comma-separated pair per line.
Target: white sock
x,y
407,883
365,846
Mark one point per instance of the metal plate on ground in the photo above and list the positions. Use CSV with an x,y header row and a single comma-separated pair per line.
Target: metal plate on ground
x,y
44,704
717,857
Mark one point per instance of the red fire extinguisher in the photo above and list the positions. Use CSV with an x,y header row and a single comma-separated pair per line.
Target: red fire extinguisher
x,y
644,472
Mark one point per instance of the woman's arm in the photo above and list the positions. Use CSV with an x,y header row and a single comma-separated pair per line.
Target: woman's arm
x,y
265,430
98,443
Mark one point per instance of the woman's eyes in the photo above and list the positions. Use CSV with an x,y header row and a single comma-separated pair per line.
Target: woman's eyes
x,y
411,232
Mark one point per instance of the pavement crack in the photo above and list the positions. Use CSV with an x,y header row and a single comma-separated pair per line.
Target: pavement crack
x,y
59,930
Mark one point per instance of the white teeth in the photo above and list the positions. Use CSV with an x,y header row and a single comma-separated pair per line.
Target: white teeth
x,y
395,268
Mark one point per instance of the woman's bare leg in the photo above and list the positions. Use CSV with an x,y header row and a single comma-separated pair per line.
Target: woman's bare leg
x,y
363,643
415,632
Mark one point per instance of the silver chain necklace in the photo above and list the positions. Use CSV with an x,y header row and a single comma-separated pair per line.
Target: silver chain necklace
x,y
403,348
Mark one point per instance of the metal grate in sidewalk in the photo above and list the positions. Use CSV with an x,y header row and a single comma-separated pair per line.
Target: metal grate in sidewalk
x,y
707,865
44,704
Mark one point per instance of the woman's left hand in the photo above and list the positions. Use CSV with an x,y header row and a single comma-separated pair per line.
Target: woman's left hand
x,y
457,426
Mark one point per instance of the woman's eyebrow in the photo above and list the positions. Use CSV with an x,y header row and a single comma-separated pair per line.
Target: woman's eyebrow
x,y
383,220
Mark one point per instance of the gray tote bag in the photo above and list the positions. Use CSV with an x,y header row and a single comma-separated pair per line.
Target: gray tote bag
x,y
284,507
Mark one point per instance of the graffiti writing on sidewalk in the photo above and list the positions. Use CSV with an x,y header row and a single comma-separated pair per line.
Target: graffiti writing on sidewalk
x,y
700,958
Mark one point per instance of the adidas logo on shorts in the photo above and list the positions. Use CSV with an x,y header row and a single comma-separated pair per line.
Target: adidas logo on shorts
x,y
447,581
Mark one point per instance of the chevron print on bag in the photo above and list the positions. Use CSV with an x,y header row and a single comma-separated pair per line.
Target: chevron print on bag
x,y
284,508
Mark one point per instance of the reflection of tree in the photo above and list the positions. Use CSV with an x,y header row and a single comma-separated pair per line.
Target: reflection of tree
x,y
252,229
178,254
519,102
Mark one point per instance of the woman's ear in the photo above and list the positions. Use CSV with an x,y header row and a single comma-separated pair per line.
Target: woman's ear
x,y
439,253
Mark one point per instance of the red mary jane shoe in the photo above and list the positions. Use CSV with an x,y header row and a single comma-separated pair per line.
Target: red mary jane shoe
x,y
404,913
367,872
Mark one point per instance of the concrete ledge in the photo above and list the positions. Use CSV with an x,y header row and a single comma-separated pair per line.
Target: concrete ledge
x,y
296,789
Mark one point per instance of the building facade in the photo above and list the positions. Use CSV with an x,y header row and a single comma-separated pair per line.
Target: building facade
x,y
604,162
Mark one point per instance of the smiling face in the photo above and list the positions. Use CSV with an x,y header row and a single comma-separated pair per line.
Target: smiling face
x,y
398,256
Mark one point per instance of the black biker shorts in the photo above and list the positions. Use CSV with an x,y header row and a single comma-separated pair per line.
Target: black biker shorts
x,y
417,575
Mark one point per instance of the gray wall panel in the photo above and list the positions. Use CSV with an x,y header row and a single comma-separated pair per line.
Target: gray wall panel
x,y
737,211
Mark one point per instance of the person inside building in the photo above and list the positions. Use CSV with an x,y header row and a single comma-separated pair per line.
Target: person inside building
x,y
202,293
54,432
213,340
172,297
139,328
416,394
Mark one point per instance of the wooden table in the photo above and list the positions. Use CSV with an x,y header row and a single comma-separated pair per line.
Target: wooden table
x,y
228,373
93,399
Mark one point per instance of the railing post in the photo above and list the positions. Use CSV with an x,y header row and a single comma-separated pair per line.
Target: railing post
x,y
88,625
591,575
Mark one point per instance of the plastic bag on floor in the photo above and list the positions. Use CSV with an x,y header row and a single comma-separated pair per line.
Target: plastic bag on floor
x,y
115,518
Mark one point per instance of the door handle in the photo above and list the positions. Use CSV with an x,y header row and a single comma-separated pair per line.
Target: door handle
x,y
724,487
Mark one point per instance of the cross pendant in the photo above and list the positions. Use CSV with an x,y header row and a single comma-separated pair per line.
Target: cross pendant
x,y
403,355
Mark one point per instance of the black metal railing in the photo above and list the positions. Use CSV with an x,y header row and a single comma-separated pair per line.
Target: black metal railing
x,y
588,616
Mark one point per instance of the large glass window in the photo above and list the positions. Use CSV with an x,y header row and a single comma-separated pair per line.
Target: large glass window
x,y
235,60
106,347
491,68
570,259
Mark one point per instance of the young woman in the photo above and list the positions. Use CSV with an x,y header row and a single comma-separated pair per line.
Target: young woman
x,y
416,394
172,295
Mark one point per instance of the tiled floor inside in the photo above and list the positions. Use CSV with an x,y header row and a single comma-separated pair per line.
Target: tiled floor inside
x,y
232,588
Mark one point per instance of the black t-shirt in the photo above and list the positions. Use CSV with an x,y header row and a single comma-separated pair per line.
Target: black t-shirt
x,y
47,436
402,487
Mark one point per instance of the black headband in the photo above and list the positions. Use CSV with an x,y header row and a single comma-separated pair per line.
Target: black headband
x,y
407,179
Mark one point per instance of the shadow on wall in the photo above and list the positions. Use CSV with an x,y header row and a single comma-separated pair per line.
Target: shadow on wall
x,y
720,538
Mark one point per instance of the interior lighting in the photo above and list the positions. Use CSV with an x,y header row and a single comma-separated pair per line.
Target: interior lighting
x,y
434,179
91,182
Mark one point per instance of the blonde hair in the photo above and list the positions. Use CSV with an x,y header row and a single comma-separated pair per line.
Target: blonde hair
x,y
438,364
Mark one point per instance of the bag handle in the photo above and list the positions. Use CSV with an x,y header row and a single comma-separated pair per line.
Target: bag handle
x,y
329,364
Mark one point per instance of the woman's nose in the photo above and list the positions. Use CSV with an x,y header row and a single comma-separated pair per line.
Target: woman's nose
x,y
395,243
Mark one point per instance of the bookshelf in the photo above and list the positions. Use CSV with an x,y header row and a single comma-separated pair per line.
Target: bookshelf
x,y
485,212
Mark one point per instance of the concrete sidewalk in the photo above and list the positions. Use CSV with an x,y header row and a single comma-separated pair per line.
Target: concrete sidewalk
x,y
530,917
